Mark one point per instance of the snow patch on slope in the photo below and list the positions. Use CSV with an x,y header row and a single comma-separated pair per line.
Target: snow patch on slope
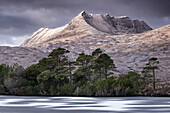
x,y
41,35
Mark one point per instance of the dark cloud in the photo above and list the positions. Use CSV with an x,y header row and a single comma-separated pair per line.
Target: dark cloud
x,y
48,4
8,21
149,7
22,17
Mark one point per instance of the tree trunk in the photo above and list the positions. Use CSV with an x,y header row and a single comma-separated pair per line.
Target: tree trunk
x,y
71,81
100,75
106,73
86,71
153,79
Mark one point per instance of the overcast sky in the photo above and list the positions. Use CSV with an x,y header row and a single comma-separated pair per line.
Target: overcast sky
x,y
20,18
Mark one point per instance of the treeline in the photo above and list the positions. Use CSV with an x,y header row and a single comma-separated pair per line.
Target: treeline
x,y
88,75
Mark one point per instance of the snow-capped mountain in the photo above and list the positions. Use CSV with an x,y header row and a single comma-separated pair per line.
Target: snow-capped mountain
x,y
86,23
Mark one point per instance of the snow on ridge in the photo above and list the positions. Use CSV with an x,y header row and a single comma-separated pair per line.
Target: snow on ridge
x,y
121,17
89,23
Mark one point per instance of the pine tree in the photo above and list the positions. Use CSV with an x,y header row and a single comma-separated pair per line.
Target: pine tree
x,y
149,70
61,75
70,68
58,56
104,65
84,61
97,52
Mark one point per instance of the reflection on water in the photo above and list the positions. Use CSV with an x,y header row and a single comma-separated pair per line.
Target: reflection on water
x,y
30,104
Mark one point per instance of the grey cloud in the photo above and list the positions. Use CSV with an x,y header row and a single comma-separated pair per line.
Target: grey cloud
x,y
10,25
150,7
5,40
8,21
42,3
155,7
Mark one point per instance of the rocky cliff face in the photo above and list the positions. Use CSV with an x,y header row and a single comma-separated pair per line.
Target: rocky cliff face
x,y
120,37
115,25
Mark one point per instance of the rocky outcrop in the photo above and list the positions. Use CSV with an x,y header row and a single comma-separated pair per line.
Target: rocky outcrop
x,y
140,26
115,25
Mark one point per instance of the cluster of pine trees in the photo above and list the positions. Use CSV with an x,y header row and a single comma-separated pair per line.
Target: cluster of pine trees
x,y
88,75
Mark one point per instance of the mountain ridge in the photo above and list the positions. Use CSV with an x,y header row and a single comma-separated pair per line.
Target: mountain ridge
x,y
130,51
92,24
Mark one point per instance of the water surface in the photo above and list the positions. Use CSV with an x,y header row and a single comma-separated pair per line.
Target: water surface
x,y
40,104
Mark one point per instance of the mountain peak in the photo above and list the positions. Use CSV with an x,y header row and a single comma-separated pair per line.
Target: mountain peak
x,y
82,12
86,23
115,25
